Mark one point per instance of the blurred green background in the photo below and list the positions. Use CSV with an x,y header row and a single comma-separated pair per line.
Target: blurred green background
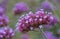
x,y
33,4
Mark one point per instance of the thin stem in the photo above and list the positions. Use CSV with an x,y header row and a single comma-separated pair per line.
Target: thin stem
x,y
43,33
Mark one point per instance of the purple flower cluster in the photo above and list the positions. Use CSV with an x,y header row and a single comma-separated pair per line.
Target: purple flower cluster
x,y
4,21
3,18
31,20
20,8
6,33
46,5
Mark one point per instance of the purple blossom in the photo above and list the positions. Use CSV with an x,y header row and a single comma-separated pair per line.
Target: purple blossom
x,y
20,8
56,20
32,21
4,21
50,35
6,33
47,6
53,19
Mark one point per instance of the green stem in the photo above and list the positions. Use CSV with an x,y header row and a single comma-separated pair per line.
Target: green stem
x,y
43,33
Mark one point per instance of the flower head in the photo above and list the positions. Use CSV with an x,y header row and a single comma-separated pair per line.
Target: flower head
x,y
32,21
48,6
20,8
4,21
6,33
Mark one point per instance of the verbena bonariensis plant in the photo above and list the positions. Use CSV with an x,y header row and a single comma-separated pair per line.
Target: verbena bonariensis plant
x,y
6,33
28,22
3,18
4,21
46,5
32,21
20,8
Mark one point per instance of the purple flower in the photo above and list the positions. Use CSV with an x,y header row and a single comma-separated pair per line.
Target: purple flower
x,y
20,8
56,20
50,35
47,6
4,21
6,33
32,21
53,20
